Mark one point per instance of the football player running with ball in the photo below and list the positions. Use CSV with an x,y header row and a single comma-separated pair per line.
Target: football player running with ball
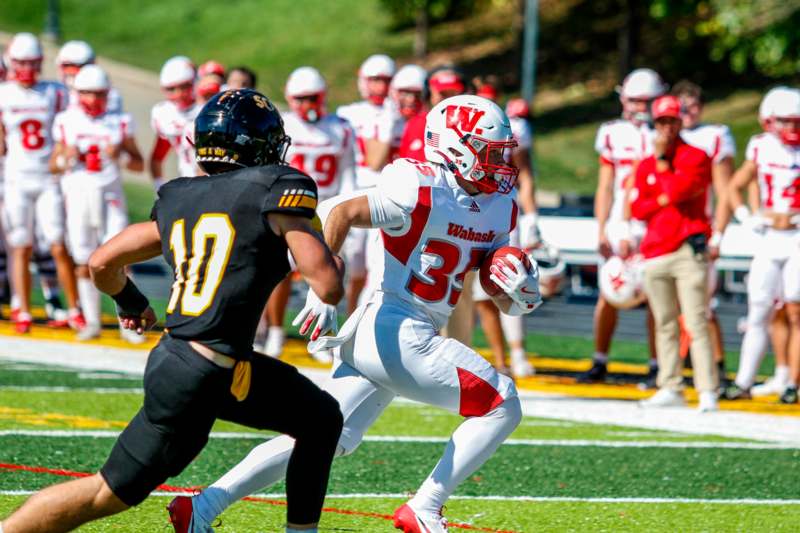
x,y
204,367
439,220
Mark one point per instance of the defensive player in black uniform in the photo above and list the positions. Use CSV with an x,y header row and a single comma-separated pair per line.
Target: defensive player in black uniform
x,y
226,237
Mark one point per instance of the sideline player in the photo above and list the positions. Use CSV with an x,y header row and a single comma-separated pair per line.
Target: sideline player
x,y
204,367
169,119
89,142
32,197
716,140
71,57
374,78
323,147
772,159
621,144
391,346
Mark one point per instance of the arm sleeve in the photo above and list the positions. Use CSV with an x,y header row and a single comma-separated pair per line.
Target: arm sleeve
x,y
292,194
348,159
58,128
393,200
522,133
128,126
751,152
602,145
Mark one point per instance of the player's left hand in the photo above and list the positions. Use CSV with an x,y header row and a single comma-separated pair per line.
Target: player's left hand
x,y
319,314
141,323
529,235
519,283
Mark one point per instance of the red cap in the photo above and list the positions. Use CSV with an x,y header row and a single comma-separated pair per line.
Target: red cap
x,y
487,91
211,67
667,106
446,81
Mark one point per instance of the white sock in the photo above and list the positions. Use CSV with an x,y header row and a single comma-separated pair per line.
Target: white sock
x,y
518,356
465,453
264,465
1,528
14,301
600,358
781,374
49,287
90,301
512,328
754,343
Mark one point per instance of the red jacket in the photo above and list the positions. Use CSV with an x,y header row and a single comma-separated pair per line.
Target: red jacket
x,y
686,185
412,144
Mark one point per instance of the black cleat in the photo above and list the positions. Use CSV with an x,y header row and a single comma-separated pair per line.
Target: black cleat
x,y
789,396
596,374
735,392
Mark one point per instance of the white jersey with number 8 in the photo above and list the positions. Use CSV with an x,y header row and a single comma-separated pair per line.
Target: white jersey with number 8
x,y
27,117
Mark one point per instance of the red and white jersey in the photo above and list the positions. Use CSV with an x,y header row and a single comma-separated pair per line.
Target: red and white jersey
x,y
363,116
27,116
325,150
714,139
521,130
74,128
621,144
114,100
778,173
434,233
169,123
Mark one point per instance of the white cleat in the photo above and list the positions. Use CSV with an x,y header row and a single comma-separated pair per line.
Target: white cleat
x,y
664,398
408,520
323,356
131,337
522,369
708,402
773,386
275,341
89,332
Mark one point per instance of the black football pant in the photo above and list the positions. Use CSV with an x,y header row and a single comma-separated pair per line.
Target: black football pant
x,y
185,393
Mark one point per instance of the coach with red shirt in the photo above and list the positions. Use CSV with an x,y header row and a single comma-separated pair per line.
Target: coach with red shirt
x,y
670,194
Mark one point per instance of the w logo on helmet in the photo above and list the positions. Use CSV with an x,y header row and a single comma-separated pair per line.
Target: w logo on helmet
x,y
463,119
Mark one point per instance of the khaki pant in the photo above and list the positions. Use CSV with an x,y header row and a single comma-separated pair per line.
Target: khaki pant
x,y
462,320
676,283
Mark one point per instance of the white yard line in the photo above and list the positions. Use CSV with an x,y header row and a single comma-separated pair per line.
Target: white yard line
x,y
734,424
64,433
532,499
96,390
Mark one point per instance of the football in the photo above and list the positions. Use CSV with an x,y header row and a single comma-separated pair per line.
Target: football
x,y
498,257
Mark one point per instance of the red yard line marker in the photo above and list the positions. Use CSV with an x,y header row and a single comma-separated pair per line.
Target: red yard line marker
x,y
173,488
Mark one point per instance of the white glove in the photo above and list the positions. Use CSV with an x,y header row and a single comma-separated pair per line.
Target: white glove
x,y
529,235
317,311
751,222
520,284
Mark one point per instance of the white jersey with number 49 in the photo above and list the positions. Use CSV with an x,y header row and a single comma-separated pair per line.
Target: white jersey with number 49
x,y
778,173
27,116
324,150
434,233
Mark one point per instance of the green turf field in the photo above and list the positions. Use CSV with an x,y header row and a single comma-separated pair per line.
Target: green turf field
x,y
552,475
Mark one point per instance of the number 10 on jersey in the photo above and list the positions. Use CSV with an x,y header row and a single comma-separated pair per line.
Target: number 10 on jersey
x,y
212,241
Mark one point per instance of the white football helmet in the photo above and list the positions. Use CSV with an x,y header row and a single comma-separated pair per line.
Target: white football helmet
x,y
25,47
622,282
640,84
375,66
409,80
766,110
71,57
177,78
552,270
92,84
472,137
786,117
305,93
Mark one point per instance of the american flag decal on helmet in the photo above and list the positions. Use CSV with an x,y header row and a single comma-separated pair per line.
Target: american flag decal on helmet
x,y
432,139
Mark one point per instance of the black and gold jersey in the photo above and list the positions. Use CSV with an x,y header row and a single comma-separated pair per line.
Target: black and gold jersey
x,y
225,257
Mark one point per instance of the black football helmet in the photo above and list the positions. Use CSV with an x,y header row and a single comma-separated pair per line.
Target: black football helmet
x,y
238,128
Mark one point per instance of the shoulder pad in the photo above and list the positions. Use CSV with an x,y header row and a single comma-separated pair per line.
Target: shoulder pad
x,y
291,191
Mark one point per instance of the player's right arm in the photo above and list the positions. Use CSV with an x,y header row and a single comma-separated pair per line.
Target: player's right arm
x,y
603,200
134,244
